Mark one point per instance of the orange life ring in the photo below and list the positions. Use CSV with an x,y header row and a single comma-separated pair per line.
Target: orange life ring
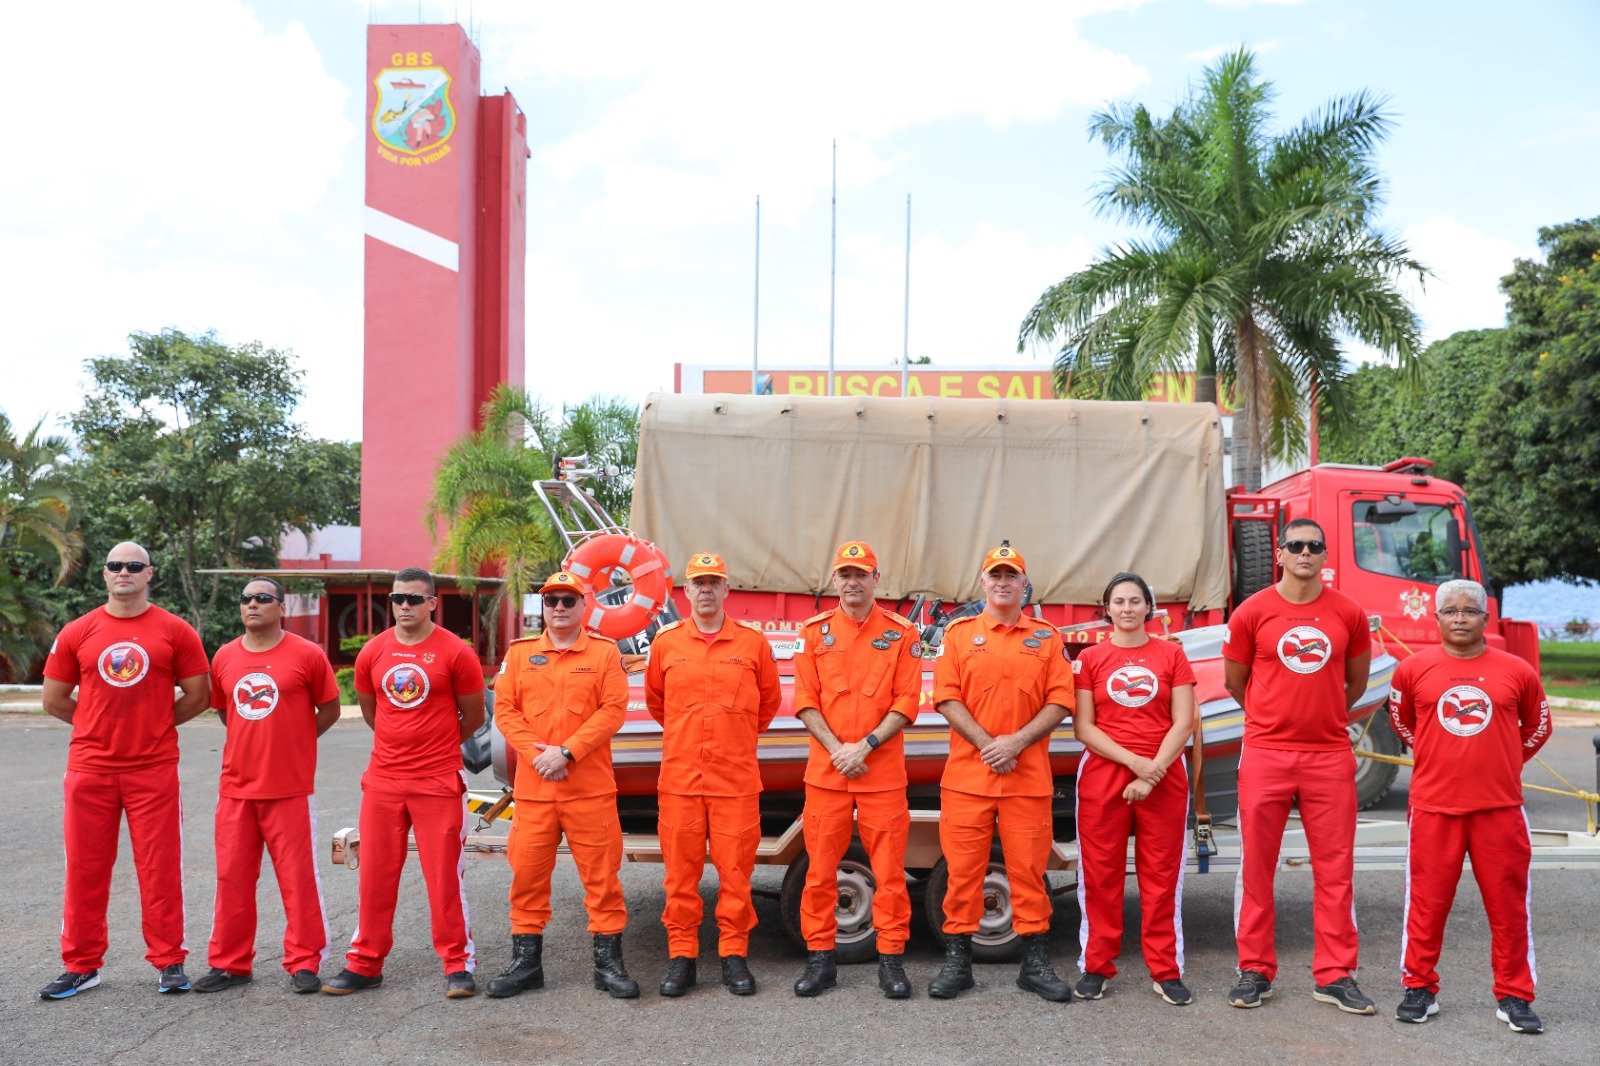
x,y
643,562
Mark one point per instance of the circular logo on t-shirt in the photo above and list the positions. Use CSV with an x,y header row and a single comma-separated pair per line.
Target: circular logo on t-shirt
x,y
1465,710
406,685
255,696
124,664
1304,649
1132,686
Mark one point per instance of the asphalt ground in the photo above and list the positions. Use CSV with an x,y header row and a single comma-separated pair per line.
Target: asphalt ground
x,y
408,1019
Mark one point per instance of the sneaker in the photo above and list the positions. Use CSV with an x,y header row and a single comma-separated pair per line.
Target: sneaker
x,y
217,980
1416,1006
1518,1014
303,981
1344,994
1174,992
173,979
347,981
1251,990
1090,986
70,984
459,985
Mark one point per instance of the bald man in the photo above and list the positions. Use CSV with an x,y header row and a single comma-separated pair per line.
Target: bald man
x,y
125,659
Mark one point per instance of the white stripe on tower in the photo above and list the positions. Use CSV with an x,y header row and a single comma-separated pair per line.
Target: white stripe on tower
x,y
414,239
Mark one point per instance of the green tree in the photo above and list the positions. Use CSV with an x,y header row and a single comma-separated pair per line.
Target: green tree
x,y
1261,253
1535,475
187,446
40,543
606,429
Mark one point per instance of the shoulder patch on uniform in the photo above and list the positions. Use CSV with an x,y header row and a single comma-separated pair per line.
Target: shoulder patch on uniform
x,y
901,619
961,622
520,640
601,636
752,625
669,627
824,616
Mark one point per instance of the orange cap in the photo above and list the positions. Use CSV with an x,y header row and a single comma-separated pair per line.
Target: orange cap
x,y
563,581
1005,555
705,564
855,553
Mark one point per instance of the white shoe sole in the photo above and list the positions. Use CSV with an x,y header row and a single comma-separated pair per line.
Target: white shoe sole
x,y
93,982
1513,1027
1323,997
1433,1008
1175,1002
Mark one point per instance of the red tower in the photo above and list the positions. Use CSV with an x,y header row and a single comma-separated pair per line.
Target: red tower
x,y
445,248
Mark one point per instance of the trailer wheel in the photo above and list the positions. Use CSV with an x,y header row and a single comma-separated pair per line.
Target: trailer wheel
x,y
1374,778
1252,559
857,940
995,940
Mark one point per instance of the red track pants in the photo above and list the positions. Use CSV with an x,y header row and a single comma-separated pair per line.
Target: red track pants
x,y
1157,824
966,832
731,826
1323,783
1500,848
440,824
594,836
94,804
287,828
885,822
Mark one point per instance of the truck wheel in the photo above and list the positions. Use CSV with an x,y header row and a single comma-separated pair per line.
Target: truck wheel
x,y
1252,559
856,940
995,940
1373,778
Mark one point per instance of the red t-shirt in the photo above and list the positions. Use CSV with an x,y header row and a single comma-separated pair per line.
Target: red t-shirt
x,y
417,732
125,670
1471,724
269,701
1296,653
1133,690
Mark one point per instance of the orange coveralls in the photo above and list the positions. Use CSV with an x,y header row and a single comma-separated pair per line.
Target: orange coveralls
x,y
856,678
1004,675
713,695
577,698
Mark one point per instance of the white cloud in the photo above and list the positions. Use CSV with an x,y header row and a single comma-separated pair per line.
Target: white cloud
x,y
1240,5
1467,265
1216,51
179,176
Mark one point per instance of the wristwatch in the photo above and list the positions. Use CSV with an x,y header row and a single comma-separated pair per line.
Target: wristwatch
x,y
566,753
873,741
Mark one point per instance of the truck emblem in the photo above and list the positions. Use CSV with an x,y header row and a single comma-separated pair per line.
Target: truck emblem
x,y
881,644
1414,603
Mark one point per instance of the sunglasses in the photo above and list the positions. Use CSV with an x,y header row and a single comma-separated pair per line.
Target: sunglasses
x,y
561,601
117,567
257,597
1295,547
408,599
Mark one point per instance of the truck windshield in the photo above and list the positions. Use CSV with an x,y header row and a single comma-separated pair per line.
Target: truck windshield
x,y
1421,546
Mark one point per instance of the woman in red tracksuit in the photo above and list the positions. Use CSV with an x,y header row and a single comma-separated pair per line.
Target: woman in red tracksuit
x,y
1135,711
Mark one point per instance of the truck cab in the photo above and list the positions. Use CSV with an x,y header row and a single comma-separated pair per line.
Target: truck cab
x,y
1396,533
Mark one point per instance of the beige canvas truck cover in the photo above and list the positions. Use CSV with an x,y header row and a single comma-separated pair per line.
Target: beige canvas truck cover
x,y
1082,489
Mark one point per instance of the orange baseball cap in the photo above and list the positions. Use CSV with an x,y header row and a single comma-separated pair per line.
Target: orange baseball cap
x,y
1005,555
857,554
563,581
705,564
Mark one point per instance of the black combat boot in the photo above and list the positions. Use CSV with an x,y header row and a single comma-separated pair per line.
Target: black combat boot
x,y
955,976
526,970
609,973
680,976
1038,975
892,977
821,972
736,976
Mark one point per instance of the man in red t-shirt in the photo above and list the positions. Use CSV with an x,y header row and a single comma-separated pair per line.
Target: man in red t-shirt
x,y
1296,657
276,695
420,688
1472,716
125,659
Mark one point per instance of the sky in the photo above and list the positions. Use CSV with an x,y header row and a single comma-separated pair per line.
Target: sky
x,y
197,164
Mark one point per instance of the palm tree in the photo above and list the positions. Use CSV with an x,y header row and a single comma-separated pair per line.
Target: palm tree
x,y
1261,253
38,538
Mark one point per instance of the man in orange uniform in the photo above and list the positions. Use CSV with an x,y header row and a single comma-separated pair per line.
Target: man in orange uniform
x,y
558,700
856,682
1004,684
712,685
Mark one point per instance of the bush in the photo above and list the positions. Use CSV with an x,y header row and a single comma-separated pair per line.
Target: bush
x,y
346,677
352,645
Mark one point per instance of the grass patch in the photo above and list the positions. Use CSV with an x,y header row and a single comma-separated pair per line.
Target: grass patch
x,y
1577,661
1572,690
